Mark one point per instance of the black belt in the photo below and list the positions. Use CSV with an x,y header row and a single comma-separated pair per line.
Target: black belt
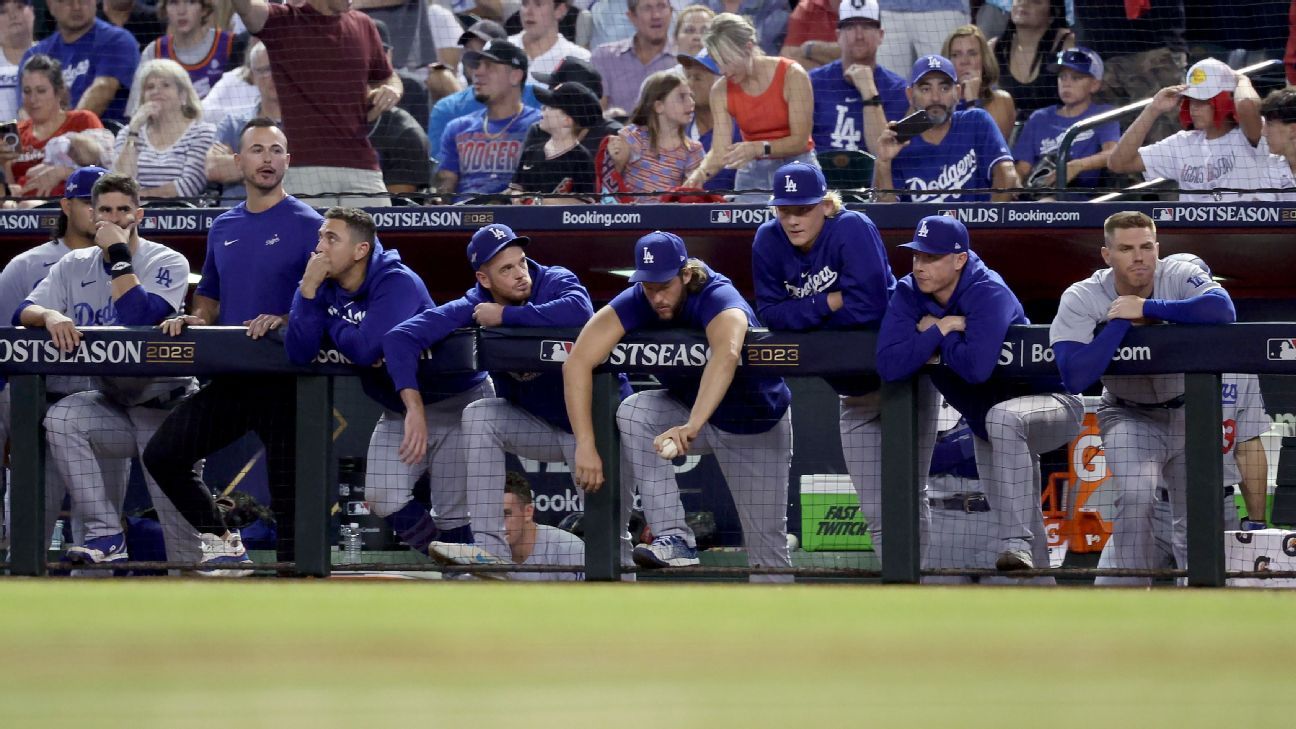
x,y
1163,494
968,503
1172,404
165,399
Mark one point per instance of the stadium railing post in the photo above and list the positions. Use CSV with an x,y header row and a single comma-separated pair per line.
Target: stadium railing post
x,y
314,454
27,545
1203,414
603,507
901,561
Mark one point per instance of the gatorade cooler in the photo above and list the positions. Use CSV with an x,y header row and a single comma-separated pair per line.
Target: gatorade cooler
x,y
830,515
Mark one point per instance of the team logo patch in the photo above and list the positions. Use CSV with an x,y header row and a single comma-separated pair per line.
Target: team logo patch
x,y
951,213
554,350
1282,349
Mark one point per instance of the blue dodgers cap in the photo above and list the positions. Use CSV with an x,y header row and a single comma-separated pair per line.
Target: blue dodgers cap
x,y
932,64
797,183
939,235
1082,60
490,240
659,256
80,183
702,59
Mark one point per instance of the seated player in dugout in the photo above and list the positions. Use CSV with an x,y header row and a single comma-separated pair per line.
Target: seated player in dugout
x,y
817,266
744,419
960,150
354,292
531,544
955,307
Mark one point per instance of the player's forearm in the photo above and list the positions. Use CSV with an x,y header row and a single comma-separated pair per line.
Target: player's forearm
x,y
1081,365
305,330
570,310
717,376
578,394
206,309
137,307
1211,307
794,314
33,315
901,353
1254,467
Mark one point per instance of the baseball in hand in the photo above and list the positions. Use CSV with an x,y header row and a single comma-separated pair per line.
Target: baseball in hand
x,y
668,449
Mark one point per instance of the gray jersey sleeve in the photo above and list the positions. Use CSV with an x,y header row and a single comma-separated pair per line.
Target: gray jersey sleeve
x,y
52,293
163,272
1251,418
1181,280
12,289
1082,308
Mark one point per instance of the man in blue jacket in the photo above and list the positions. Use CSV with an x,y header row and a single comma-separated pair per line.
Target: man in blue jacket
x,y
817,266
961,310
528,418
354,292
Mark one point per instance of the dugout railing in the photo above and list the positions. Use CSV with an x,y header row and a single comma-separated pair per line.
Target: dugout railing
x,y
1202,353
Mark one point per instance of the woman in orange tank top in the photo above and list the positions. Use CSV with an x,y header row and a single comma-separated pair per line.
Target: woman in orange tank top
x,y
772,102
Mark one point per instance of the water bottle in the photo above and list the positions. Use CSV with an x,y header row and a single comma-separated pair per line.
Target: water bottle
x,y
56,543
349,535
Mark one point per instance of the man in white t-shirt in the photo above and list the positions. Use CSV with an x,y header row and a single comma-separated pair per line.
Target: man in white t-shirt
x,y
16,20
544,45
1217,150
1279,112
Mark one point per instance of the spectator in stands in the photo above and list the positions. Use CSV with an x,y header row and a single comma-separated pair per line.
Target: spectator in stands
x,y
690,27
140,19
332,74
52,141
400,142
1220,115
480,152
544,45
610,21
917,27
653,154
236,91
772,102
962,150
464,102
768,17
1279,112
701,73
193,41
222,168
532,544
978,76
1140,54
98,58
849,87
410,34
575,24
561,165
575,70
1035,150
165,145
16,21
811,38
1025,53
626,63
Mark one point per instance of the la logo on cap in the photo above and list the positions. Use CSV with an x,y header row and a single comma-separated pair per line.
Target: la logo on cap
x,y
498,233
648,257
933,62
789,185
922,230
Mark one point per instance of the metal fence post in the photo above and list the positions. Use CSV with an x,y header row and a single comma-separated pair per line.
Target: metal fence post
x,y
901,560
27,545
603,508
1205,467
315,467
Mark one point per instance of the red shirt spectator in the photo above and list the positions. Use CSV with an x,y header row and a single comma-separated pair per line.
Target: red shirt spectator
x,y
33,147
814,20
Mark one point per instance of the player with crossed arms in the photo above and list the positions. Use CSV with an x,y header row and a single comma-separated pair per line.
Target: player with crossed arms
x,y
817,266
1141,416
745,420
122,280
955,307
354,292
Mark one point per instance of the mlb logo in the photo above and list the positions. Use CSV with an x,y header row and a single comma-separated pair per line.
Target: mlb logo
x,y
1162,215
948,213
148,223
1282,349
553,350
722,216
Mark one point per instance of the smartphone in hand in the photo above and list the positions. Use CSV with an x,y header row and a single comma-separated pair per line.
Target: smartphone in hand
x,y
912,125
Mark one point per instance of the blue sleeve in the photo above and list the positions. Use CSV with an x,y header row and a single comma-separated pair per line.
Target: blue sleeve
x,y
119,57
991,147
306,322
138,308
774,306
1082,364
715,299
973,353
1026,146
566,304
443,112
449,154
902,351
393,300
209,286
866,281
633,311
1109,132
406,341
1213,306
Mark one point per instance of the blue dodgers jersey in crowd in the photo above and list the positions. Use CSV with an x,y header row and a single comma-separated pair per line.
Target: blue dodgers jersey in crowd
x,y
356,322
255,260
754,403
104,51
792,287
967,359
964,159
463,103
557,300
839,107
485,158
1044,130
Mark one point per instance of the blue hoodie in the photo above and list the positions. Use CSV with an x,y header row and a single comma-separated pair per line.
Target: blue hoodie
x,y
355,322
968,358
557,300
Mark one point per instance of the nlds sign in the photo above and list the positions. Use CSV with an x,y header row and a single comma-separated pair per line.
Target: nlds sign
x,y
972,215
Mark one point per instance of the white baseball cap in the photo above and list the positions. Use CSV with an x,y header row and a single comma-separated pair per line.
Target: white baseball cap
x,y
1209,78
852,10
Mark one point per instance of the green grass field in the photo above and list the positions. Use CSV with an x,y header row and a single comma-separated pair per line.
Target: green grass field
x,y
101,653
